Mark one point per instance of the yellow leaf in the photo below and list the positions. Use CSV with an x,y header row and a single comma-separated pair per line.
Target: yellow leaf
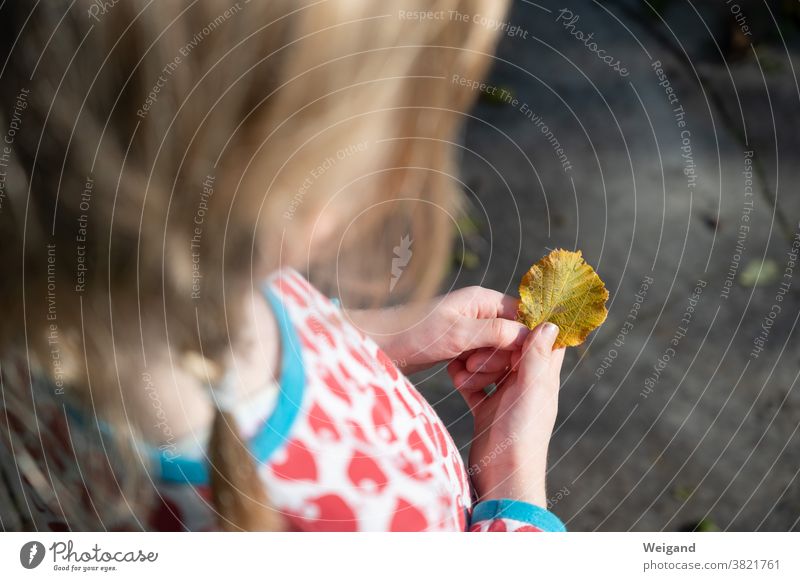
x,y
562,289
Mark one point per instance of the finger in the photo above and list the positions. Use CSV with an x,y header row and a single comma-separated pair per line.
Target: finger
x,y
556,360
497,304
538,374
467,381
508,307
484,303
489,360
497,333
516,356
473,398
506,376
537,354
454,367
467,354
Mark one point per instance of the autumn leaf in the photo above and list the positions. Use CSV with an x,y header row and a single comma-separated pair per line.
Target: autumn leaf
x,y
562,289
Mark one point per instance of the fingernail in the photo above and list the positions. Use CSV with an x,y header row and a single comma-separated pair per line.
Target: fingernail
x,y
549,332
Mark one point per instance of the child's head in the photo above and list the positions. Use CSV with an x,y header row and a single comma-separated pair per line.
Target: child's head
x,y
167,149
166,155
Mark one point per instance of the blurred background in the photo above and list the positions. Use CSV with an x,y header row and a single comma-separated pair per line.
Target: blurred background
x,y
661,138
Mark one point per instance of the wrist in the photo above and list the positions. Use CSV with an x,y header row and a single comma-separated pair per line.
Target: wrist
x,y
513,478
525,492
372,322
389,329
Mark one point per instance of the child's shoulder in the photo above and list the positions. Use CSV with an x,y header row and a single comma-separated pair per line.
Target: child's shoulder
x,y
318,321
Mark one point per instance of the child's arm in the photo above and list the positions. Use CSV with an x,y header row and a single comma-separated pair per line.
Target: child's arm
x,y
513,426
468,321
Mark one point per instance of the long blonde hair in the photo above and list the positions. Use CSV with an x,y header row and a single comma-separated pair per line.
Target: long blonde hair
x,y
317,134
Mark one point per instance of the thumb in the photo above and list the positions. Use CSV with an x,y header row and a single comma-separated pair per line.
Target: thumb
x,y
537,351
497,333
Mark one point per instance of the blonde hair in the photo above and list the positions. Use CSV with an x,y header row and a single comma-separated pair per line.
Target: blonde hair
x,y
296,132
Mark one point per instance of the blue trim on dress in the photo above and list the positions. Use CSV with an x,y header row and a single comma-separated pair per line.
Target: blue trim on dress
x,y
276,428
518,510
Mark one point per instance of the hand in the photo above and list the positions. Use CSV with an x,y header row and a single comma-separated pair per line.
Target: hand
x,y
513,425
472,322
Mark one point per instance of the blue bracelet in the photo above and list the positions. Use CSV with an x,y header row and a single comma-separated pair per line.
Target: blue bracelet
x,y
518,510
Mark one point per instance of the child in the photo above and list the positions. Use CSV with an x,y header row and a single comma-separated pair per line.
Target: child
x,y
165,366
